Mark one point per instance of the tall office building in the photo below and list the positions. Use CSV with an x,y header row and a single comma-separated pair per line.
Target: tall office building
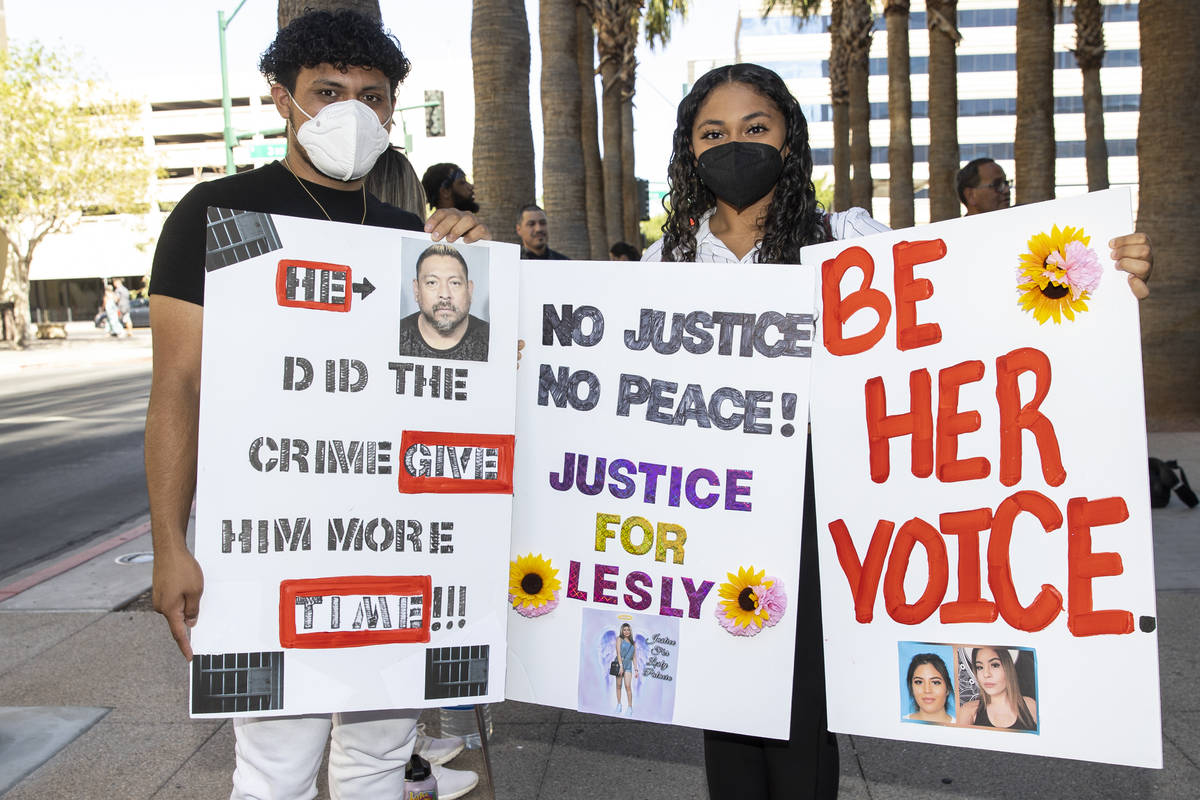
x,y
987,89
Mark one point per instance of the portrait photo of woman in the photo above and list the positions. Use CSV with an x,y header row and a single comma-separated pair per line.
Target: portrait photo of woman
x,y
1003,701
926,683
930,689
626,656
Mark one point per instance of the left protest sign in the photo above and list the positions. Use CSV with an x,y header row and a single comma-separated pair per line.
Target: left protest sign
x,y
354,477
659,488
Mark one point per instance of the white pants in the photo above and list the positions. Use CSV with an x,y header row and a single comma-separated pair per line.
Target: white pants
x,y
278,757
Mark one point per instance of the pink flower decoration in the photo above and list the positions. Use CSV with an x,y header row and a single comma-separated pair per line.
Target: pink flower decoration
x,y
1082,268
773,599
532,611
732,626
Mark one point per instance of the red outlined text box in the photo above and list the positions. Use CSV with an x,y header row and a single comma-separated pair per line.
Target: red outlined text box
x,y
313,284
352,585
442,480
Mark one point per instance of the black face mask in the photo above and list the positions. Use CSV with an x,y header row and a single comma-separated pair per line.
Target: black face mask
x,y
740,172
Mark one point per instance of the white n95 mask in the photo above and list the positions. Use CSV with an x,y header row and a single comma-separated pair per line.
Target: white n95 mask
x,y
343,140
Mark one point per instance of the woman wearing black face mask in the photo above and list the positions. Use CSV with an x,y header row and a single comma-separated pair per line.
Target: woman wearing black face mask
x,y
741,176
741,191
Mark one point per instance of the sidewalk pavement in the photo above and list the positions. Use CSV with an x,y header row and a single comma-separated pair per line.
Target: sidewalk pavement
x,y
93,700
85,346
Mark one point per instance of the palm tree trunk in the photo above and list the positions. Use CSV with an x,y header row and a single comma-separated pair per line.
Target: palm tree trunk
x,y
900,147
629,209
839,95
942,16
858,22
1034,144
1089,52
590,137
563,184
629,204
502,157
1168,151
611,32
288,10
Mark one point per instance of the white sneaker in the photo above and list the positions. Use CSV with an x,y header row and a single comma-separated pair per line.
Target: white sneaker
x,y
437,751
618,708
452,783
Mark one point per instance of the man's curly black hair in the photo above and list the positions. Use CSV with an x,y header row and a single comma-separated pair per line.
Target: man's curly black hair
x,y
793,219
343,39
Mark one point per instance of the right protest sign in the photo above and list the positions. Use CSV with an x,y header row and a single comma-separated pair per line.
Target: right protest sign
x,y
980,465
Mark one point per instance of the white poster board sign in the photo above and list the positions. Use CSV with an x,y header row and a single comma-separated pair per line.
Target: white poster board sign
x,y
354,486
980,465
659,486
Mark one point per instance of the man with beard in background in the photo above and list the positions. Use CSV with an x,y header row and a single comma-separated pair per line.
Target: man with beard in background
x,y
443,328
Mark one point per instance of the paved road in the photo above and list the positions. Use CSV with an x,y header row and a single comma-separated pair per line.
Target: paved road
x,y
70,457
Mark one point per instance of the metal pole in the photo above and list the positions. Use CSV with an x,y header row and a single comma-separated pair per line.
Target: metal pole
x,y
226,102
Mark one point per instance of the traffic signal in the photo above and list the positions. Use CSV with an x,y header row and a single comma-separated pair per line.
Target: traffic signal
x,y
435,115
643,198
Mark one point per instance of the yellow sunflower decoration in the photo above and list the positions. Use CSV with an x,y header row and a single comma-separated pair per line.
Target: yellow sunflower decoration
x,y
750,601
532,585
1058,274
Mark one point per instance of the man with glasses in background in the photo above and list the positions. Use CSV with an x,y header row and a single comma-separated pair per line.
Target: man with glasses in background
x,y
983,186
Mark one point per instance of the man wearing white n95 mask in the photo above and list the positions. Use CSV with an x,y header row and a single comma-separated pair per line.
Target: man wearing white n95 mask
x,y
333,78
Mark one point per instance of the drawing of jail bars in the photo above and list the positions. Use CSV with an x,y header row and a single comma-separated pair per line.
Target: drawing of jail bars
x,y
227,682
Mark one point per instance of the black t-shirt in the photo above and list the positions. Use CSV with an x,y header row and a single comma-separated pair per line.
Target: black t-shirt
x,y
179,258
473,346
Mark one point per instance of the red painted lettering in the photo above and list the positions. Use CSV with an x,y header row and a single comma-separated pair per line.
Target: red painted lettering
x,y
864,576
1045,607
837,310
917,422
911,532
1014,417
1083,565
909,290
951,423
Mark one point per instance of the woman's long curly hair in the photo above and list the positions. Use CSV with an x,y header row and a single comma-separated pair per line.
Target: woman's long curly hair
x,y
793,219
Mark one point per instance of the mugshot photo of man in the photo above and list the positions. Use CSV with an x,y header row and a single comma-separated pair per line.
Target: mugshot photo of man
x,y
443,326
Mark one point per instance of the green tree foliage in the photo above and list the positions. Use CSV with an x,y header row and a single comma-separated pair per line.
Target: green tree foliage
x,y
66,146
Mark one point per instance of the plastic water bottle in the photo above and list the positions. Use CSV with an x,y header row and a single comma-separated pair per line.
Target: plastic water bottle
x,y
419,782
461,721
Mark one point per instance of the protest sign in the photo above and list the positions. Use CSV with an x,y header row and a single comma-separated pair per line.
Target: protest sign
x,y
980,467
659,485
355,468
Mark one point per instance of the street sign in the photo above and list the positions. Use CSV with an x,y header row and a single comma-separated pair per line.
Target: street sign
x,y
267,150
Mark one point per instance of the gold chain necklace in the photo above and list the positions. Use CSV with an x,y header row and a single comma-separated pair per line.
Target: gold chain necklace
x,y
318,202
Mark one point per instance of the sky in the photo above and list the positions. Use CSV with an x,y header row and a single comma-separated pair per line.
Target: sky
x,y
168,49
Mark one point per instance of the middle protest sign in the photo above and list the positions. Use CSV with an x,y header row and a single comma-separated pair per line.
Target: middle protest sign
x,y
980,465
662,414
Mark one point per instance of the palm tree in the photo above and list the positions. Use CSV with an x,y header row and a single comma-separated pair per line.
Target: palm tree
x,y
1034,144
502,156
288,10
839,92
616,24
900,148
1089,53
563,178
839,98
1168,151
942,19
858,21
589,130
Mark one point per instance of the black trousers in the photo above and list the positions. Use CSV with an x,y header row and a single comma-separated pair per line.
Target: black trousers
x,y
805,766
